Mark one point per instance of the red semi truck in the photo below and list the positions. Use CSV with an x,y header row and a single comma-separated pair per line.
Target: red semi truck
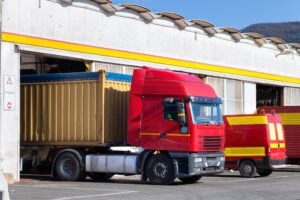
x,y
254,144
174,125
290,116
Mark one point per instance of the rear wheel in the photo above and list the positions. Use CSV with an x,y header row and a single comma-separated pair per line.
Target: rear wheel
x,y
191,179
247,169
100,176
264,172
68,168
160,169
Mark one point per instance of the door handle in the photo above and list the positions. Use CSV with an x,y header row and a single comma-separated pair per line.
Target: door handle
x,y
163,135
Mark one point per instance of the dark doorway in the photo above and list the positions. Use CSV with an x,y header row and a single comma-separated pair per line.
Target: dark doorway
x,y
267,95
40,64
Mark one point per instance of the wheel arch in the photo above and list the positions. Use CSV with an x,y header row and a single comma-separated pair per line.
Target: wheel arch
x,y
244,159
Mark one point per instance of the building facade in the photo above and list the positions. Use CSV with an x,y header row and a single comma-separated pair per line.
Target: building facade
x,y
40,36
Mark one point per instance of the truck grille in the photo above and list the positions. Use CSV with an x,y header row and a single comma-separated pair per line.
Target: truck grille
x,y
212,143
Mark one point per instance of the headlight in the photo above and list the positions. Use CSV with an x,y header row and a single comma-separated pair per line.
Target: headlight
x,y
198,160
222,158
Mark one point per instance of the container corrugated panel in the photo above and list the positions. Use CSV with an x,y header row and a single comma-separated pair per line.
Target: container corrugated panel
x,y
74,109
290,116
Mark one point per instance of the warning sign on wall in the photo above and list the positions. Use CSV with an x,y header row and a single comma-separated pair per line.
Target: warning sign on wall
x,y
9,102
9,97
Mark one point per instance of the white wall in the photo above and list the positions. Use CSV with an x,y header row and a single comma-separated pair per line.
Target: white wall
x,y
10,118
84,22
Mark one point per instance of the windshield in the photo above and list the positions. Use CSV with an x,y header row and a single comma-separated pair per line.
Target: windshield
x,y
206,113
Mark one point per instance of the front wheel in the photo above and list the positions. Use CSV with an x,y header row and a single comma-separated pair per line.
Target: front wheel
x,y
160,169
264,172
247,169
191,179
68,168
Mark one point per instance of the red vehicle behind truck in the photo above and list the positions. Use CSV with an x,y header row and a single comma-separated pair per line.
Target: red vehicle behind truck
x,y
174,125
254,144
290,116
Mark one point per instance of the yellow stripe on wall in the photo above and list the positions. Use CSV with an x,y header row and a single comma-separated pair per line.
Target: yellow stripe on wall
x,y
246,120
54,44
290,118
245,151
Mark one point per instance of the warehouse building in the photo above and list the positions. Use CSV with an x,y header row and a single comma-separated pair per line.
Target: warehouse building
x,y
48,36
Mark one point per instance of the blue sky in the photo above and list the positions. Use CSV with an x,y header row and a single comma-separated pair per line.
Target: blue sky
x,y
234,13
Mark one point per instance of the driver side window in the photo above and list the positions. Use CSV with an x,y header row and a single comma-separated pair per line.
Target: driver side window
x,y
170,111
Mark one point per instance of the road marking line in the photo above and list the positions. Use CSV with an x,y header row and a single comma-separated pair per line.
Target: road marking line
x,y
246,180
71,188
97,195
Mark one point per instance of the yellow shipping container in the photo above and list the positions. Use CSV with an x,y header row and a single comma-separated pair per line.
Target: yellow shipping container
x,y
74,112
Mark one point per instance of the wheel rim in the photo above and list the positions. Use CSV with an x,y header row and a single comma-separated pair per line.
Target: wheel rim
x,y
68,167
247,169
160,170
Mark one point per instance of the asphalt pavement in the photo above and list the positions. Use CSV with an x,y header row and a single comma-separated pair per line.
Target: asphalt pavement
x,y
283,184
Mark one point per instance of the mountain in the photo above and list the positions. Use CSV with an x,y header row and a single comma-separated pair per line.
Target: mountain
x,y
288,31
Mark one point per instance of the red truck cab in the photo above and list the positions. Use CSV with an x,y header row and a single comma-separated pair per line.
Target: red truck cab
x,y
254,143
178,115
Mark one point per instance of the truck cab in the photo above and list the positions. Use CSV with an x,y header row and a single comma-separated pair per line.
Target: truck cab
x,y
254,144
178,116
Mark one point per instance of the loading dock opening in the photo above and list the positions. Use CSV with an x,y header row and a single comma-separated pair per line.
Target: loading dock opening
x,y
40,64
268,95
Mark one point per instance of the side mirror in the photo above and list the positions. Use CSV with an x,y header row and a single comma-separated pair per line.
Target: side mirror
x,y
182,117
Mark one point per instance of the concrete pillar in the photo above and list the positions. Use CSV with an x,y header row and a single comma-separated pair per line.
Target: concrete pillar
x,y
10,111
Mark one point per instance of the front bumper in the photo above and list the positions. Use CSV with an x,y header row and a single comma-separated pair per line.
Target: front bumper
x,y
191,164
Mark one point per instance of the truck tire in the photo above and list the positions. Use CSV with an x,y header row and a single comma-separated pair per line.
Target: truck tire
x,y
191,179
160,169
67,167
247,169
264,172
100,176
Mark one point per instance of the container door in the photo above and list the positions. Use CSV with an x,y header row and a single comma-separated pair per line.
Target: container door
x,y
281,140
277,140
274,145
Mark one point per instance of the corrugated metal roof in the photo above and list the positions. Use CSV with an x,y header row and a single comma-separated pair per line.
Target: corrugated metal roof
x,y
136,8
178,19
103,1
258,38
235,33
281,44
171,15
276,40
255,35
295,45
202,23
230,30
145,13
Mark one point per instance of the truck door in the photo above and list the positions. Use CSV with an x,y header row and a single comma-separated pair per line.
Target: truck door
x,y
152,110
276,137
172,135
